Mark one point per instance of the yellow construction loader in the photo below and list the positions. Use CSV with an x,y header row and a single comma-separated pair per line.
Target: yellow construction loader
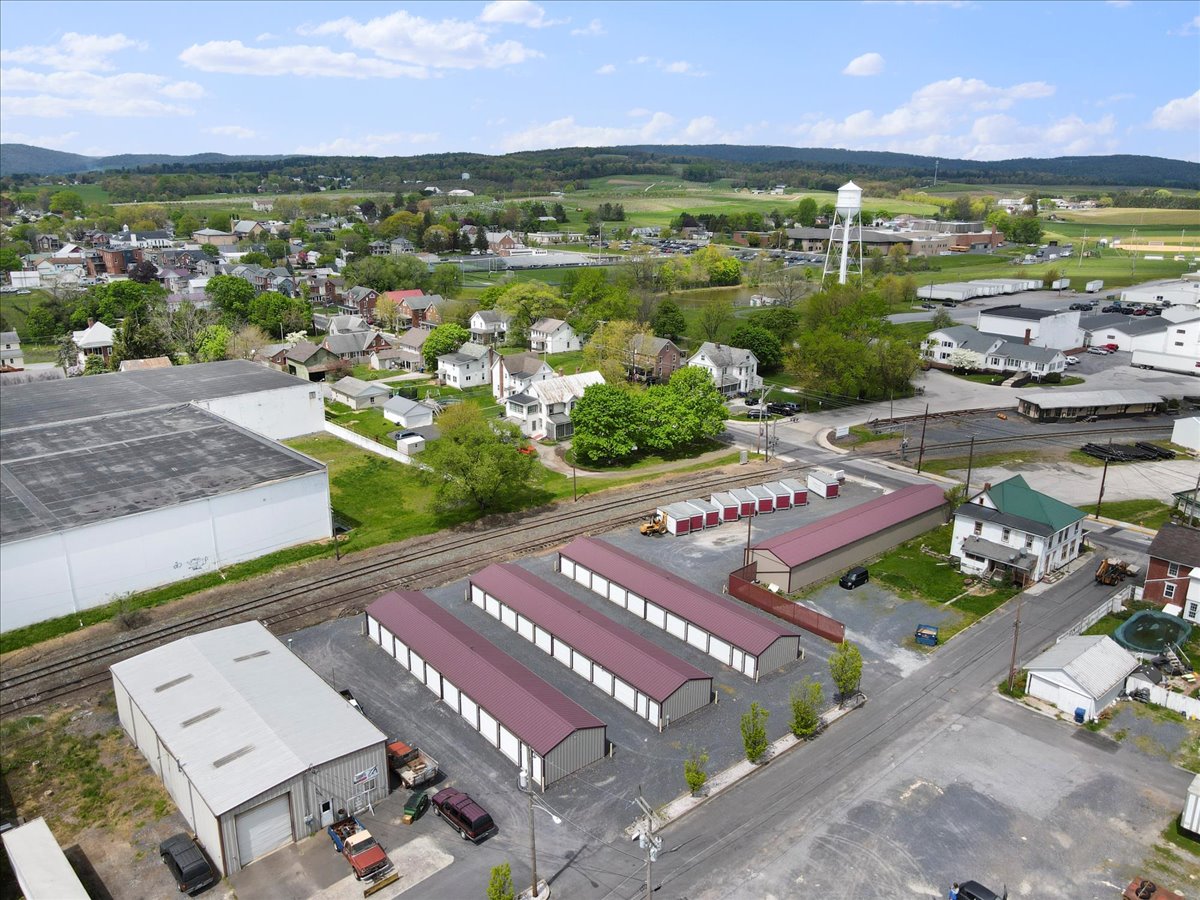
x,y
655,525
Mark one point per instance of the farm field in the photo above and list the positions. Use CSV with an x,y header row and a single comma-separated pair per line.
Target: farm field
x,y
1133,217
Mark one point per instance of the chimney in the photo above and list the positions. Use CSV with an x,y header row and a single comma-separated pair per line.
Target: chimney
x,y
987,485
1026,341
91,322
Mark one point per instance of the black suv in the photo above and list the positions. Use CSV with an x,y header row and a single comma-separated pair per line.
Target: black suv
x,y
973,890
188,865
784,409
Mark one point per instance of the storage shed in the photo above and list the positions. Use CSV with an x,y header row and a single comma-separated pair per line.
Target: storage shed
x,y
780,494
254,748
636,672
682,518
824,485
799,491
722,628
712,511
533,724
820,549
730,507
747,502
1080,672
42,869
763,498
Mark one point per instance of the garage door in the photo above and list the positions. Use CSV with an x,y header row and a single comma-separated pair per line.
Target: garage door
x,y
265,828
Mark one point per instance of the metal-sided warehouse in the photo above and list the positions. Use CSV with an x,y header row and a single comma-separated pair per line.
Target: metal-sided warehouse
x,y
722,628
637,673
253,747
533,724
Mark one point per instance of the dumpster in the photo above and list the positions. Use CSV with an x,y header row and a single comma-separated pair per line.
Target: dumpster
x,y
927,635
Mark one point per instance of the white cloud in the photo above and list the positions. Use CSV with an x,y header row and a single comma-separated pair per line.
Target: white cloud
x,y
74,52
266,36
676,67
657,128
301,60
867,64
1181,114
638,112
1187,29
593,28
240,132
58,94
606,69
370,144
517,12
51,141
445,44
1119,97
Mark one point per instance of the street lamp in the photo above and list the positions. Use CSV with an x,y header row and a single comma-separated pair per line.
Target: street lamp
x,y
527,789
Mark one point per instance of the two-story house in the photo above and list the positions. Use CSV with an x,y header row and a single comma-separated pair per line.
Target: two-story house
x,y
359,301
421,311
553,336
11,356
653,359
308,361
406,352
355,345
964,347
95,340
733,370
515,374
466,367
544,411
489,326
1173,575
1013,531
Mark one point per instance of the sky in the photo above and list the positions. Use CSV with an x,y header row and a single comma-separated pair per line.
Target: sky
x,y
969,79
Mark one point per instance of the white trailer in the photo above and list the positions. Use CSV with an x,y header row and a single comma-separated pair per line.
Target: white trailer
x,y
1060,284
1167,362
1093,286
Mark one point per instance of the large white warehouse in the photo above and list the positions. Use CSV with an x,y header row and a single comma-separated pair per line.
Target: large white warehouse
x,y
118,483
254,748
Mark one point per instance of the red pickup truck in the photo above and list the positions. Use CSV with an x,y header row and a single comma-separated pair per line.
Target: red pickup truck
x,y
366,857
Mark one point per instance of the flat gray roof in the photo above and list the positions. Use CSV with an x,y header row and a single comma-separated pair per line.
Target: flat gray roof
x,y
64,475
1084,399
69,399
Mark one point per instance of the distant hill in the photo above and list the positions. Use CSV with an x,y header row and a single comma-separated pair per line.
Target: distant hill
x,y
23,159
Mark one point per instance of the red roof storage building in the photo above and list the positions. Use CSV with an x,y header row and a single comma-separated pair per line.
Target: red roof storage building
x,y
719,626
532,723
637,673
820,549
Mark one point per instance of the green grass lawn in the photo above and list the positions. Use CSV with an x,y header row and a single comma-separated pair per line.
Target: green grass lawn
x,y
15,307
1147,513
364,372
1067,381
367,422
942,465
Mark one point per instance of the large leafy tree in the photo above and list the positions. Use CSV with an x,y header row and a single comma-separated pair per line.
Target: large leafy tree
x,y
212,343
685,411
275,313
526,302
66,203
446,280
387,273
608,423
762,343
442,340
141,335
668,320
231,295
714,316
476,461
40,325
609,350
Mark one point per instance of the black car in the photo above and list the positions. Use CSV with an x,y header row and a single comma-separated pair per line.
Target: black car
x,y
854,578
973,890
784,409
1111,308
759,414
1081,306
187,863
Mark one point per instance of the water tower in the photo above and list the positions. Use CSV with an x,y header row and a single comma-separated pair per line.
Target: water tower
x,y
849,243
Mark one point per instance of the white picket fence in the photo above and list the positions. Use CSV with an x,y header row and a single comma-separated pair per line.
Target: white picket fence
x,y
366,443
1189,706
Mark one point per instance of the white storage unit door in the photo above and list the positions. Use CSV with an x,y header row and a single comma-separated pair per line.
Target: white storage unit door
x,y
509,745
566,566
264,828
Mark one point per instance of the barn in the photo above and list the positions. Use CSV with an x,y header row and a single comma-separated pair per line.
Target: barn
x,y
1080,672
815,551
639,674
253,747
533,724
720,627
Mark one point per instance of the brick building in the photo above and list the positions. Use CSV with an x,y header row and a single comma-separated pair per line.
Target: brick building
x,y
1173,575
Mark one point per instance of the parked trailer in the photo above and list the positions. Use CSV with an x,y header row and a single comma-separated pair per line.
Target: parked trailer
x,y
1190,820
746,500
823,485
1060,284
411,766
731,509
799,491
712,511
1166,362
1093,286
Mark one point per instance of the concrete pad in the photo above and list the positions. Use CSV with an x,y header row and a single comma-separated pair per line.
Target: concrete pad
x,y
414,862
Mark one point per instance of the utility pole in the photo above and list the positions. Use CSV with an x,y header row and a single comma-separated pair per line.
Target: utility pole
x,y
1195,501
921,455
1104,475
648,841
1012,663
970,461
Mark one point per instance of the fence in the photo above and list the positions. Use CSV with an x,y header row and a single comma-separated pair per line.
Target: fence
x,y
358,440
1181,703
1112,604
742,586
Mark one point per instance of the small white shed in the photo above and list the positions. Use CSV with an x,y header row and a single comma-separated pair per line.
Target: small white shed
x,y
407,413
730,507
1186,433
1080,672
1190,820
823,485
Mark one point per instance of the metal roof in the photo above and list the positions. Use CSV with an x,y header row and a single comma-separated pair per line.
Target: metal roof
x,y
1014,497
628,655
1096,663
794,548
1177,544
42,869
564,388
795,485
356,387
725,498
1086,399
536,712
1001,553
1020,312
240,712
719,616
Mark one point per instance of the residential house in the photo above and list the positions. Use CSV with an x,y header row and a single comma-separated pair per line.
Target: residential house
x,y
120,261
95,340
11,356
248,229
1011,530
407,413
379,248
407,352
359,394
215,237
545,411
355,345
517,373
401,245
1173,575
466,367
347,324
503,243
262,205
961,346
309,361
733,370
47,243
653,359
421,311
489,326
553,336
360,301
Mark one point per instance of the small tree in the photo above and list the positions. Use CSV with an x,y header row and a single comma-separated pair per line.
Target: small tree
x,y
845,667
500,887
807,699
942,319
693,769
754,732
94,365
1052,275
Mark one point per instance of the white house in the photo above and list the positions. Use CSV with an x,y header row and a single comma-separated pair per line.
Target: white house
x,y
1080,672
489,326
515,374
733,370
407,413
545,411
1011,530
1058,329
10,351
961,346
359,394
466,367
95,340
553,336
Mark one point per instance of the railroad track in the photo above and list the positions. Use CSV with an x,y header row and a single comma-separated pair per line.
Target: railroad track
x,y
1054,436
42,683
